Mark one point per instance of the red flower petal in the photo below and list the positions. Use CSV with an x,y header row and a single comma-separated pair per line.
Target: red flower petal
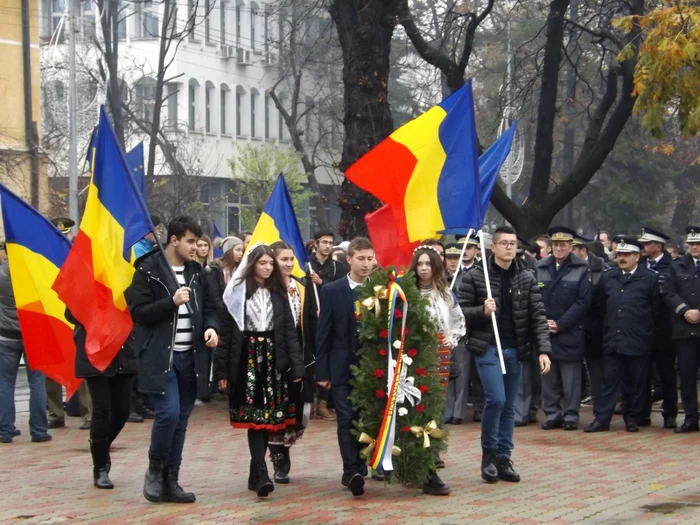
x,y
380,394
405,428
382,352
379,373
420,372
423,389
412,352
398,314
420,407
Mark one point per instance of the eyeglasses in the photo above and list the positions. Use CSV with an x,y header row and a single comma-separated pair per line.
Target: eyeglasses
x,y
507,244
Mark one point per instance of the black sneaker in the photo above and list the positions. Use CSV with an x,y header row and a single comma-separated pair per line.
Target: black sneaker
x,y
435,486
505,470
42,438
355,482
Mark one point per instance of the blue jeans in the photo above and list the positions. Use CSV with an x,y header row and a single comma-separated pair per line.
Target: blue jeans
x,y
10,355
498,419
172,410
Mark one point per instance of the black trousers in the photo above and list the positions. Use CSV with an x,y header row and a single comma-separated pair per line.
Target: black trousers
x,y
349,447
664,357
631,371
111,399
688,361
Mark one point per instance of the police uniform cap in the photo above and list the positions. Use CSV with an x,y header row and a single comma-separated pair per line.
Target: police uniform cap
x,y
693,234
63,224
453,250
580,240
651,235
628,245
561,233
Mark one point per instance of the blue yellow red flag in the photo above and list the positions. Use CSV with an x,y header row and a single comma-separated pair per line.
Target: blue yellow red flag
x,y
134,159
35,252
216,234
98,271
428,167
278,222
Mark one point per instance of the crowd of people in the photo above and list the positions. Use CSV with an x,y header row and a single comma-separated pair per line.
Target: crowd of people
x,y
611,322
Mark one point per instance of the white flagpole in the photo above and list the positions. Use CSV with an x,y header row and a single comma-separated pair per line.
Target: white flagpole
x,y
484,264
318,303
461,256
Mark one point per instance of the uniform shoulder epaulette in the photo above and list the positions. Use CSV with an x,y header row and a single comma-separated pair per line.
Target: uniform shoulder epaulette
x,y
608,268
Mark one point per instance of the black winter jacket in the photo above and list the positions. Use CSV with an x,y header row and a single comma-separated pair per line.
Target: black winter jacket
x,y
593,323
682,293
288,356
124,362
528,310
631,310
150,300
566,295
664,326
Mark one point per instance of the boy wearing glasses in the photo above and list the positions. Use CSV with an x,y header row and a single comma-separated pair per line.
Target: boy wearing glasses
x,y
520,316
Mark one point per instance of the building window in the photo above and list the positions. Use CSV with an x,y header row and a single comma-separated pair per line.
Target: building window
x,y
280,120
145,91
253,106
268,100
222,22
266,31
241,124
207,12
192,100
253,22
225,93
238,24
172,107
146,19
192,16
207,108
234,219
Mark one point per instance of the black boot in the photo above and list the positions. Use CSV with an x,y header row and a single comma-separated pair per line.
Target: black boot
x,y
153,487
173,491
505,470
263,483
489,471
101,479
101,464
280,455
252,477
435,486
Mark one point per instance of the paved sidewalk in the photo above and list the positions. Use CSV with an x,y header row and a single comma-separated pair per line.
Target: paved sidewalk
x,y
568,477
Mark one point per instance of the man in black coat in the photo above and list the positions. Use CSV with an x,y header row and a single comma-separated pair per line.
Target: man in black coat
x,y
564,282
175,318
336,351
663,354
682,296
516,302
324,270
630,298
593,322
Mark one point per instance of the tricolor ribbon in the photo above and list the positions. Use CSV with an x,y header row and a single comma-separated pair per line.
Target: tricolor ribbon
x,y
385,440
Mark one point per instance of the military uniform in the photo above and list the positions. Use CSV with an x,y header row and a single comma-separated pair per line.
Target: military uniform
x,y
54,391
631,301
566,294
663,356
682,294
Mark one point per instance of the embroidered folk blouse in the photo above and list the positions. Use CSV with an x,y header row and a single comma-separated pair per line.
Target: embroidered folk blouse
x,y
258,312
447,316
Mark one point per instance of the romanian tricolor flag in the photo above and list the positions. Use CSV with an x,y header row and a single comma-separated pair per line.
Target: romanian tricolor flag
x,y
98,269
428,168
279,223
35,252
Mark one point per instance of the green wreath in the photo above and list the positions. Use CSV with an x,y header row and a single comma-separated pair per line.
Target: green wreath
x,y
369,381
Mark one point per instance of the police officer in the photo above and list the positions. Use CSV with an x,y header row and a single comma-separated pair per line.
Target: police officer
x,y
593,322
630,297
469,259
566,293
54,391
682,296
663,354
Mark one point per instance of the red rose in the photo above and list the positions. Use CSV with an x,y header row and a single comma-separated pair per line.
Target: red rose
x,y
383,334
241,412
382,352
405,332
398,314
292,409
412,352
378,373
423,389
420,372
420,407
405,428
380,394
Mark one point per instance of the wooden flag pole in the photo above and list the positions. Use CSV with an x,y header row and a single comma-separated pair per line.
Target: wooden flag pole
x,y
461,256
484,260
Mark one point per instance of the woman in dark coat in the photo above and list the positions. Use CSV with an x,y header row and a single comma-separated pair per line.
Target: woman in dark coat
x,y
302,394
260,358
111,397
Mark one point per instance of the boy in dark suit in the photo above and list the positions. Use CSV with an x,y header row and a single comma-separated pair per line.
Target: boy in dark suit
x,y
336,350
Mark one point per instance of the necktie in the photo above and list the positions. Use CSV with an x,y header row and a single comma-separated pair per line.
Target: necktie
x,y
697,265
627,276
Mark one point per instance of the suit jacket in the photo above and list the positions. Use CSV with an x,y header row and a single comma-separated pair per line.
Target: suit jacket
x,y
336,338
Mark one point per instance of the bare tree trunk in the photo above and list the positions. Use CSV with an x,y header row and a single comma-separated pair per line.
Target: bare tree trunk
x,y
686,185
365,28
110,31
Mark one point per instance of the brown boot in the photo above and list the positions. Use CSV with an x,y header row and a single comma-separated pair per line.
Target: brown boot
x,y
324,412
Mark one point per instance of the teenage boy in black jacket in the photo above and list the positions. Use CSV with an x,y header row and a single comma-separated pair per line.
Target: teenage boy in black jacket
x,y
175,318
